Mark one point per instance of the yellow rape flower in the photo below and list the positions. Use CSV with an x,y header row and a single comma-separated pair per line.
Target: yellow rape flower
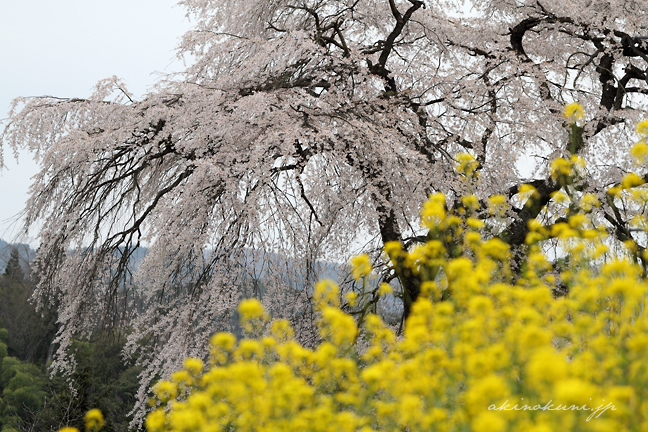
x,y
433,213
579,221
194,366
640,152
489,421
560,167
326,292
497,205
282,330
560,197
384,289
527,189
588,201
351,297
475,223
470,201
491,389
360,266
578,162
496,248
165,390
338,326
642,128
251,309
94,420
223,340
393,248
249,349
154,421
632,180
574,391
181,377
573,112
639,221
466,164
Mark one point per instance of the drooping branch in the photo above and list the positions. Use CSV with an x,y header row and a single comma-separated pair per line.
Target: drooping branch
x,y
387,46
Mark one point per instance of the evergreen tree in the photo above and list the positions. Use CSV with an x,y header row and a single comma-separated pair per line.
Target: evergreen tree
x,y
30,332
13,269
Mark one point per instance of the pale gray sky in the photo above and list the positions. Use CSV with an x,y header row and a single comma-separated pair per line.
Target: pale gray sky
x,y
62,48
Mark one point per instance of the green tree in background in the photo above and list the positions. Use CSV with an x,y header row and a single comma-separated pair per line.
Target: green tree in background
x,y
13,269
30,332
22,390
23,393
101,380
32,401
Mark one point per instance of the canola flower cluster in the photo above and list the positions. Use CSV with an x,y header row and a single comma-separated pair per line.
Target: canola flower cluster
x,y
573,112
483,350
94,421
640,150
494,355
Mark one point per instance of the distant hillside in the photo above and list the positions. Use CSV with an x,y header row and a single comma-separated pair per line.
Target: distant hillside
x,y
256,261
27,254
